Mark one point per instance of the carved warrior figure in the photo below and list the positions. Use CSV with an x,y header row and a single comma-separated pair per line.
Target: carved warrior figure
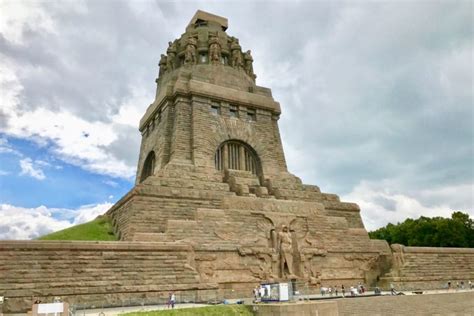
x,y
286,251
190,57
248,63
236,54
162,64
171,51
214,50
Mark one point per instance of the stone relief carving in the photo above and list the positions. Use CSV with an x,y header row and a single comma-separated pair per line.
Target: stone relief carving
x,y
364,262
190,57
171,51
285,249
214,50
311,272
249,64
162,65
263,271
236,54
398,257
281,247
237,58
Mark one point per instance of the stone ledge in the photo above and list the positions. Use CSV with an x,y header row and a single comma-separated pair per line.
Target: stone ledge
x,y
90,245
408,249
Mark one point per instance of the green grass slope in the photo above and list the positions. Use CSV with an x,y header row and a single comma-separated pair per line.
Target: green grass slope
x,y
98,229
219,310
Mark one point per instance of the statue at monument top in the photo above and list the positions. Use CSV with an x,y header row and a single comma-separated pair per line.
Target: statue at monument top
x,y
206,42
214,50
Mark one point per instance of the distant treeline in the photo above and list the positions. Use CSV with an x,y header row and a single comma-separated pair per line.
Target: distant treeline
x,y
457,231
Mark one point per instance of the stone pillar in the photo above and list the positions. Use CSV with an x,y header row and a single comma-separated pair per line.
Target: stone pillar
x,y
180,151
241,158
225,156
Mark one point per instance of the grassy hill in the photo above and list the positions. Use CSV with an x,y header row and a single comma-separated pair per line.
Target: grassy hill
x,y
98,229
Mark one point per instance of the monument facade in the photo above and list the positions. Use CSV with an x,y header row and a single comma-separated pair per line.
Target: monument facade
x,y
212,175
214,209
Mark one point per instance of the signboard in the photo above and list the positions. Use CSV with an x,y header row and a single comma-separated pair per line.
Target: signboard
x,y
270,292
50,308
284,293
274,292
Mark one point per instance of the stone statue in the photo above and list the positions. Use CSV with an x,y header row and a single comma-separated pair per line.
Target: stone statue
x,y
214,50
171,51
285,247
190,57
249,63
162,64
236,54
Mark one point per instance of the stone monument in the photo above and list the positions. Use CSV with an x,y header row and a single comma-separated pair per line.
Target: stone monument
x,y
214,210
212,176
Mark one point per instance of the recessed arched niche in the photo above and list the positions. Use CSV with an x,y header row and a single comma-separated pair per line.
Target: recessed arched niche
x,y
148,166
237,155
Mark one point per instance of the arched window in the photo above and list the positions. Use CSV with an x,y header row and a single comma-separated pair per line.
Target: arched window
x,y
236,155
148,166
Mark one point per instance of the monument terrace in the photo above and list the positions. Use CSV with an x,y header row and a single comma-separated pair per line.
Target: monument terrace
x,y
214,208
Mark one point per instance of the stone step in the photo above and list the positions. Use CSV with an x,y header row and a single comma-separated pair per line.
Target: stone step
x,y
189,184
159,191
245,181
288,194
239,174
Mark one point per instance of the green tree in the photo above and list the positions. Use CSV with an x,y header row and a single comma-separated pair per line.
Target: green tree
x,y
457,231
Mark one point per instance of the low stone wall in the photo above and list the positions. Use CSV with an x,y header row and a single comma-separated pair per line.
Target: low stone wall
x,y
425,304
455,304
429,267
94,273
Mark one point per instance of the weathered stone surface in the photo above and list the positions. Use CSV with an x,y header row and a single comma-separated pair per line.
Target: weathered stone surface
x,y
430,304
214,210
429,268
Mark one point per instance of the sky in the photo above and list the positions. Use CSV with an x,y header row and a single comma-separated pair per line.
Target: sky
x,y
376,97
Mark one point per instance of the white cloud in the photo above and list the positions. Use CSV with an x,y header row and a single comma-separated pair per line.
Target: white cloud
x,y
4,173
380,206
20,17
89,212
29,169
29,223
84,128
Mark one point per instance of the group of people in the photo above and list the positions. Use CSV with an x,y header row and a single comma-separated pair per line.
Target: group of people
x,y
461,285
334,290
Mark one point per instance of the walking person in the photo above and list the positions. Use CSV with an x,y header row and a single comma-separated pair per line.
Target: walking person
x,y
343,290
173,300
168,303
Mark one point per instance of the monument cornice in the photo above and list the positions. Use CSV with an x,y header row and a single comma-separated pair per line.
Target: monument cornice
x,y
212,91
